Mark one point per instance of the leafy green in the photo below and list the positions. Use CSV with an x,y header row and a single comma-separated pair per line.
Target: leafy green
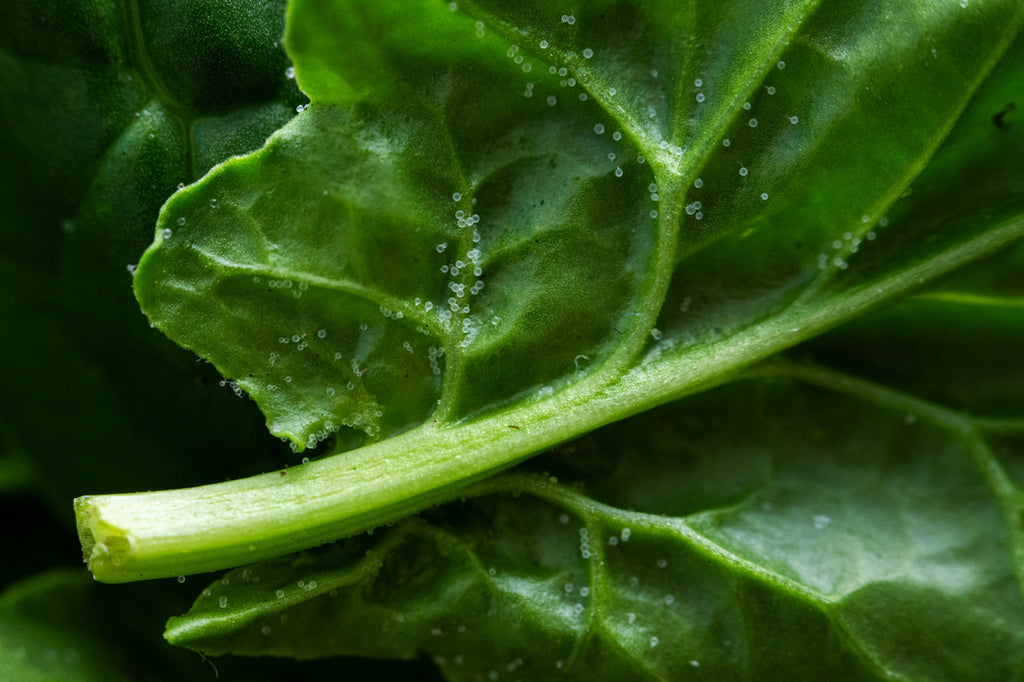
x,y
800,521
767,253
94,143
420,154
406,259
60,625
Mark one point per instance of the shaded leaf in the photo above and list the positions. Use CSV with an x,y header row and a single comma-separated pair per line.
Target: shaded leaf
x,y
416,245
809,526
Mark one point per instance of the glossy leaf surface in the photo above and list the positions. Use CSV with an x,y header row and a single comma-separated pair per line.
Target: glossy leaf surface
x,y
91,397
61,626
498,227
809,525
94,142
419,244
487,240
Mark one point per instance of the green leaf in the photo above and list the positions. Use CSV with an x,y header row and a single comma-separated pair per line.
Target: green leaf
x,y
60,626
665,195
53,628
807,525
94,142
849,511
957,343
338,237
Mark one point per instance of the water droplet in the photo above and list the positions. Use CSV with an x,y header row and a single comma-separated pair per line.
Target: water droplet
x,y
599,129
587,53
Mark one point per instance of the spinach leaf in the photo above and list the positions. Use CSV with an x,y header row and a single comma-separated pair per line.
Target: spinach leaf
x,y
92,145
497,228
95,140
60,626
769,251
796,524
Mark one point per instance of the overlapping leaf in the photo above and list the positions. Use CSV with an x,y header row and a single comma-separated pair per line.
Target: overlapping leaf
x,y
805,524
488,205
61,626
487,202
96,137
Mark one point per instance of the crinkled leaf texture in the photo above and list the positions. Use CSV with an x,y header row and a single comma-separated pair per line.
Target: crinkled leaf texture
x,y
490,204
61,626
499,226
799,524
495,229
98,131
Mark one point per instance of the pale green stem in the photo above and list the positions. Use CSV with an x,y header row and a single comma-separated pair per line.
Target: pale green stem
x,y
161,534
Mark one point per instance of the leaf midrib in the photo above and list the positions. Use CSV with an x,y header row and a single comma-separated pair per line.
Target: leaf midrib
x,y
337,284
